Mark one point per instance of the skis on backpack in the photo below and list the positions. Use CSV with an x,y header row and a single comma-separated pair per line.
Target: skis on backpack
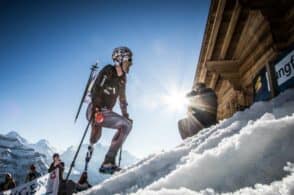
x,y
87,88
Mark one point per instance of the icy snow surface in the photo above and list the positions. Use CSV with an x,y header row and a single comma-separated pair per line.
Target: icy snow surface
x,y
249,153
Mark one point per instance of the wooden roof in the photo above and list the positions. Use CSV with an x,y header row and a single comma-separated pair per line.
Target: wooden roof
x,y
239,33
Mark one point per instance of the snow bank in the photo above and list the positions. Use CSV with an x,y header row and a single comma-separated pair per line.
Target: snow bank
x,y
245,154
283,187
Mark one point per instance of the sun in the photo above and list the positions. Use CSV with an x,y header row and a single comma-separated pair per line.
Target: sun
x,y
175,100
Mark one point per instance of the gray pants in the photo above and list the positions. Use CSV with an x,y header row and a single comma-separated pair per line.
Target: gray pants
x,y
114,121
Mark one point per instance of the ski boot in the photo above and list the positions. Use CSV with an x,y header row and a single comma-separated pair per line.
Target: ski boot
x,y
109,166
109,169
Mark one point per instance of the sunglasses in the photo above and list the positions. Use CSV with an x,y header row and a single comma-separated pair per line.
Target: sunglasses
x,y
127,60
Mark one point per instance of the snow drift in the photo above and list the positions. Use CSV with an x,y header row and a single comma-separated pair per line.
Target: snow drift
x,y
249,153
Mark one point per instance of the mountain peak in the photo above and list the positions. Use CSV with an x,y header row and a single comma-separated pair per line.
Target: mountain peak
x,y
43,142
14,134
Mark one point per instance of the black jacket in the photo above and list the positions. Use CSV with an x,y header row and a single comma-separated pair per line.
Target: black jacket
x,y
32,175
7,185
61,169
107,88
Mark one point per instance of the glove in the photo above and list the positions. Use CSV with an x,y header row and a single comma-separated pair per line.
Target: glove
x,y
98,117
131,120
126,115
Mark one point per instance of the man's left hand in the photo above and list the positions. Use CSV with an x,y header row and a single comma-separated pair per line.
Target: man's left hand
x,y
131,120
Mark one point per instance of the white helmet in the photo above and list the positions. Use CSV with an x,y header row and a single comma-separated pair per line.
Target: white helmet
x,y
121,54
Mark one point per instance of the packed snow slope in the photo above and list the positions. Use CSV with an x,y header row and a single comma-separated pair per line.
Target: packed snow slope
x,y
249,153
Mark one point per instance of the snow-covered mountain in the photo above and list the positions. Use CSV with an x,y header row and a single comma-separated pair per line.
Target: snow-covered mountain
x,y
44,147
249,153
16,157
97,158
14,134
45,150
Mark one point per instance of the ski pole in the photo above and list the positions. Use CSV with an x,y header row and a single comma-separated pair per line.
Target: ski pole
x,y
120,152
119,158
78,150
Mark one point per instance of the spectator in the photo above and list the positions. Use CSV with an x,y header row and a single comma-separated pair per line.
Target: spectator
x,y
83,183
202,111
33,174
8,184
57,163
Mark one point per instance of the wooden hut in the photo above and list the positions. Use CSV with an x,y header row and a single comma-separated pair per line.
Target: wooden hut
x,y
243,40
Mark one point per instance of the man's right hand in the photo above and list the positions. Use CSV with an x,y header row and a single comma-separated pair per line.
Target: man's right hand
x,y
99,117
57,163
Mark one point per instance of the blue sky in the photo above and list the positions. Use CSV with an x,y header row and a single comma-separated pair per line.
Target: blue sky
x,y
47,48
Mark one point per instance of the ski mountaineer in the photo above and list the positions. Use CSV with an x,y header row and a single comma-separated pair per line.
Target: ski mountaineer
x,y
109,85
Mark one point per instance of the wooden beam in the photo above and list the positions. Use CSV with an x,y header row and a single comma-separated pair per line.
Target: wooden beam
x,y
225,86
227,40
233,79
213,36
228,69
215,28
272,81
203,73
257,52
213,80
231,29
199,65
252,22
255,38
221,66
235,82
248,77
230,76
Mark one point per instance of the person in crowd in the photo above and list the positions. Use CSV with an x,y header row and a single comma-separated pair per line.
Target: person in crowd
x,y
57,163
33,174
8,184
202,111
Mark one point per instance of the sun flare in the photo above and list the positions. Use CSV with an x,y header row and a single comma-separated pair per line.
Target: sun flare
x,y
175,100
